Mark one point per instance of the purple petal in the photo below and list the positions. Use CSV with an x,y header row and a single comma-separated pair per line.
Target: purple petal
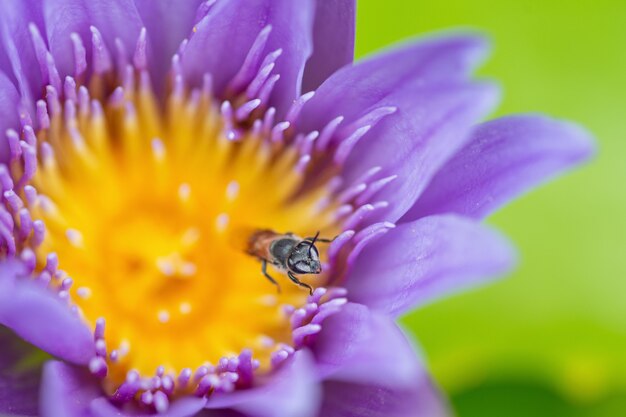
x,y
365,348
430,124
20,369
114,19
18,56
62,18
333,41
354,89
425,259
344,399
372,369
117,19
291,392
427,110
223,38
71,391
9,100
178,19
504,158
67,390
40,318
183,407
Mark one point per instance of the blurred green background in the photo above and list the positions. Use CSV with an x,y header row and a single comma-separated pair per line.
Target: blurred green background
x,y
550,340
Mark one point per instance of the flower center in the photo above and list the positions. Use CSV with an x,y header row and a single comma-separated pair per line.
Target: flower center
x,y
148,213
154,217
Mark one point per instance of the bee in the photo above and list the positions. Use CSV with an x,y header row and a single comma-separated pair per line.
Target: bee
x,y
286,252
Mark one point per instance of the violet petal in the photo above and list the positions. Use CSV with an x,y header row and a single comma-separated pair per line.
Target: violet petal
x,y
431,123
504,158
17,55
38,316
178,18
20,369
363,347
425,259
344,399
372,369
230,28
293,390
333,41
9,100
182,407
67,390
353,89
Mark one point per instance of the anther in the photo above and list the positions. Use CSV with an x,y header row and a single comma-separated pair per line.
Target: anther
x,y
14,144
66,284
345,147
221,222
351,192
158,149
232,190
98,367
74,237
14,202
80,54
69,88
267,88
328,132
297,106
278,131
83,292
374,188
99,330
52,263
244,111
42,115
29,259
185,308
139,58
101,57
184,191
163,316
190,237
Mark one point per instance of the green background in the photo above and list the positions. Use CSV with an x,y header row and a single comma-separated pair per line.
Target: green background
x,y
550,340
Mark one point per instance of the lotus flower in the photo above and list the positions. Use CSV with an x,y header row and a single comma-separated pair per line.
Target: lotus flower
x,y
146,141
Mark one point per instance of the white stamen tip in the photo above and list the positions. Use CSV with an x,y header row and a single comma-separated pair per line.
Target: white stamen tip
x,y
164,316
221,222
158,149
190,237
185,308
232,190
266,341
74,237
188,269
269,300
124,348
83,292
166,266
184,191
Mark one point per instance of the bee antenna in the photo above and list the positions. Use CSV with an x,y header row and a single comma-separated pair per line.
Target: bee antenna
x,y
313,241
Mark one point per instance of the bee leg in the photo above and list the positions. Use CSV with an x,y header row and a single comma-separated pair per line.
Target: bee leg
x,y
268,276
300,283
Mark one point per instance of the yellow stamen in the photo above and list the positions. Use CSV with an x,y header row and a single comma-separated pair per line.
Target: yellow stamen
x,y
149,212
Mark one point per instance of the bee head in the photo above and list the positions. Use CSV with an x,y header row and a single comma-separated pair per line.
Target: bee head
x,y
305,258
